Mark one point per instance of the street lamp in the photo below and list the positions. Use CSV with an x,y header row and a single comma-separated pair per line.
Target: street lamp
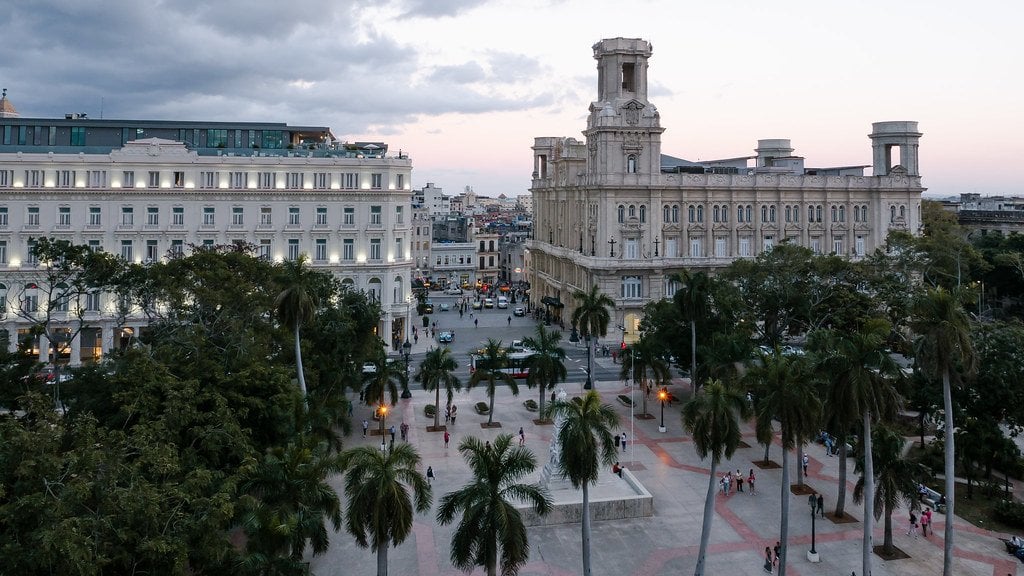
x,y
812,554
663,398
406,348
383,412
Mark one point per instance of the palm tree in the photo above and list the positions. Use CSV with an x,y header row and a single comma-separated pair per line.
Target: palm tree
x,y
692,300
434,373
296,305
786,393
585,436
641,359
490,521
862,387
383,381
287,500
591,317
547,363
712,419
490,369
943,345
380,509
894,478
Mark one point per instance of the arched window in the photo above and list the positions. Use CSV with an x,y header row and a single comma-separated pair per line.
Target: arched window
x,y
739,213
725,213
622,213
789,213
764,213
715,213
675,213
691,214
632,211
631,164
375,289
810,213
796,213
666,215
842,213
749,214
817,213
892,213
834,218
398,291
643,213
700,214
903,212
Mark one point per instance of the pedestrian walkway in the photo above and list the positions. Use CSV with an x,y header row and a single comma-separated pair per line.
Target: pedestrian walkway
x,y
667,542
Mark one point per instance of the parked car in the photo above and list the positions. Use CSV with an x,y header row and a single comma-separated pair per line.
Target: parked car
x,y
519,311
428,307
445,337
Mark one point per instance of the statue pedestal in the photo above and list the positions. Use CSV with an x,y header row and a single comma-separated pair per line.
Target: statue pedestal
x,y
813,557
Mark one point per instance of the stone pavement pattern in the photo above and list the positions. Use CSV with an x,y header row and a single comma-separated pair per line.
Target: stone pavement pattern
x,y
666,543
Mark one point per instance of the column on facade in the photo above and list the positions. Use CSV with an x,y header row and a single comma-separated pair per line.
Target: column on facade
x,y
76,350
12,337
107,338
44,348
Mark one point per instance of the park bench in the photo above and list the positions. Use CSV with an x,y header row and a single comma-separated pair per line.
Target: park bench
x,y
932,498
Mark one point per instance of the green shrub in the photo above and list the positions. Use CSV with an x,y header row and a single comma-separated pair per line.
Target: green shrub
x,y
429,410
531,405
1009,513
481,407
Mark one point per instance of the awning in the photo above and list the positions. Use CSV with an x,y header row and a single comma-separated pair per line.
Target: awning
x,y
551,301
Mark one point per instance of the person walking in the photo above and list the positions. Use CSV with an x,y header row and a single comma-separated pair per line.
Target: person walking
x,y
926,520
777,549
728,482
750,483
768,562
430,475
913,525
392,431
447,437
623,441
366,426
806,460
404,428
447,414
476,322
820,506
522,436
455,410
509,320
739,481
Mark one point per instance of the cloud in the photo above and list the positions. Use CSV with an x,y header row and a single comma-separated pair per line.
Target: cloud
x,y
301,62
439,8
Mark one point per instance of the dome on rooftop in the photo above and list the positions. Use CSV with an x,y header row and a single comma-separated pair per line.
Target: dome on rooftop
x,y
7,109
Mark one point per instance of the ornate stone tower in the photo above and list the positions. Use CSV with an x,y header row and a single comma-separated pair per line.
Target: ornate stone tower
x,y
623,129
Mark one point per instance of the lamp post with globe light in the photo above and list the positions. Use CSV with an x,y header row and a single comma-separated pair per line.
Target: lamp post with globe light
x,y
812,554
663,398
406,348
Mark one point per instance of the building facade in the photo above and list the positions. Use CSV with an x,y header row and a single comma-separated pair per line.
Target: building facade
x,y
612,210
148,191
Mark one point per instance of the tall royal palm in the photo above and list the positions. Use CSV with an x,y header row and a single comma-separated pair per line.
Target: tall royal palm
x,y
692,301
491,371
862,384
380,387
713,420
895,479
435,373
547,363
490,522
296,306
587,446
642,362
942,347
380,507
591,317
785,392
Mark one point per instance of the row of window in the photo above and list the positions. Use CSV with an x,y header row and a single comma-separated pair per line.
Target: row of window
x,y
26,135
745,213
209,216
264,249
207,179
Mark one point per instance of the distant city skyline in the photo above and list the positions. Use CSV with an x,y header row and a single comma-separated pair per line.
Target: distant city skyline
x,y
463,87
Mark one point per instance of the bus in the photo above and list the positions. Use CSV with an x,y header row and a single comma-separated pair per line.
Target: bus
x,y
514,363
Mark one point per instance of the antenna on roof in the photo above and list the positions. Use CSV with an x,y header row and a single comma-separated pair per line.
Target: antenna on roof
x,y
4,94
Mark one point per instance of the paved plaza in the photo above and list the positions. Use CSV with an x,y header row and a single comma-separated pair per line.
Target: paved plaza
x,y
666,543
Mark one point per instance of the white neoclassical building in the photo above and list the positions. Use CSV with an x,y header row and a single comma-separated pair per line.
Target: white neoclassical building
x,y
146,190
612,210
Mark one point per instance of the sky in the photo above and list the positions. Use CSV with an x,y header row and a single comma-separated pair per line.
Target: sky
x,y
463,86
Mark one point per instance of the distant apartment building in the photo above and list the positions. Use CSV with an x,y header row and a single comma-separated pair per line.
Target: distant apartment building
x,y
989,214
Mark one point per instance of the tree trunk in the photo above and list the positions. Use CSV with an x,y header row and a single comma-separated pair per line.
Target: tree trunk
x,y
766,447
784,524
382,559
841,493
643,393
590,362
887,545
947,400
800,464
869,494
492,561
920,425
693,357
709,515
586,530
490,407
540,413
298,362
437,406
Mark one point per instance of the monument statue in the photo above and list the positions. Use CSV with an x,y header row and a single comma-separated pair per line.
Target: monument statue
x,y
553,464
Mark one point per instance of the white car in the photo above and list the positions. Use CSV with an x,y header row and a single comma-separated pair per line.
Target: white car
x,y
453,291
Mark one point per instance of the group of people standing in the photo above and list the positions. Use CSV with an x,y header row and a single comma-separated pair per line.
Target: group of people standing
x,y
734,482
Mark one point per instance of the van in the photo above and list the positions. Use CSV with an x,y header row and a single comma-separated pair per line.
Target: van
x,y
502,302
